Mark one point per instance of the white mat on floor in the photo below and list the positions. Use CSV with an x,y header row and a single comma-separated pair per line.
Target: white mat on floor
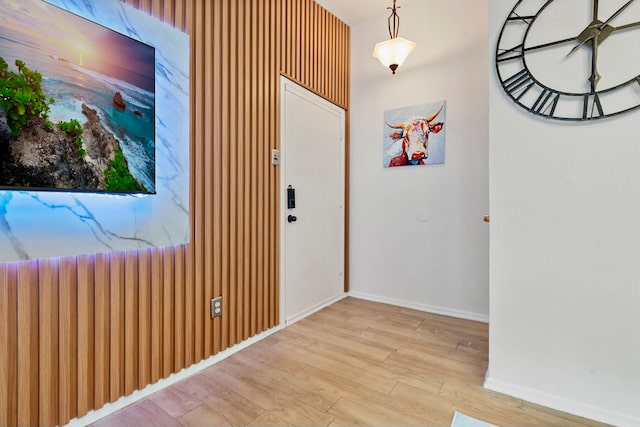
x,y
462,420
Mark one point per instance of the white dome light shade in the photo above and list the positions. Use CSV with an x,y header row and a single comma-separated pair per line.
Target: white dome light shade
x,y
392,53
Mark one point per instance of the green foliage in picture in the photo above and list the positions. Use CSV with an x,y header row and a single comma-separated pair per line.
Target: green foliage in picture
x,y
118,177
72,128
21,95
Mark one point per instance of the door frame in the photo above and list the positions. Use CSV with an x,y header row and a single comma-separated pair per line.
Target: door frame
x,y
288,83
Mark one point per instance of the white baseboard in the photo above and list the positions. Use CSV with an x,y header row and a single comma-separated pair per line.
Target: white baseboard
x,y
423,307
317,307
110,408
562,404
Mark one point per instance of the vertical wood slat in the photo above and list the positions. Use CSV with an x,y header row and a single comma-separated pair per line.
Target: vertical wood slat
x,y
290,23
314,54
263,53
333,27
256,142
272,189
156,314
332,48
233,173
131,322
144,318
68,339
116,326
269,60
278,53
216,165
326,65
9,340
288,45
86,333
200,185
244,146
83,331
306,42
225,125
342,63
337,83
239,175
27,350
168,311
169,13
179,17
321,47
145,6
335,78
48,341
246,159
102,307
180,308
157,9
296,38
346,61
208,159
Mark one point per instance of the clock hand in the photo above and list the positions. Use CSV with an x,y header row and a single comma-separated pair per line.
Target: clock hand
x,y
624,27
585,39
593,30
541,46
595,76
591,33
595,42
617,12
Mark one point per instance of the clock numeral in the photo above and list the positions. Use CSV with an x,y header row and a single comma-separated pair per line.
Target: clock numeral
x,y
515,17
518,84
590,104
547,101
515,52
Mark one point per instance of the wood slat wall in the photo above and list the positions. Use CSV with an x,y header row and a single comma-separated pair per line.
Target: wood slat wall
x,y
78,332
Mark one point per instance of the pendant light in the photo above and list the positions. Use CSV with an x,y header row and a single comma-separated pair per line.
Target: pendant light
x,y
392,53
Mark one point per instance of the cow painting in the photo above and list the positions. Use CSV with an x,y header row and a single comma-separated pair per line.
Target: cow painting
x,y
407,138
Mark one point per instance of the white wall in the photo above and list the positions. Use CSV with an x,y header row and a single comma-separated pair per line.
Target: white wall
x,y
417,237
565,250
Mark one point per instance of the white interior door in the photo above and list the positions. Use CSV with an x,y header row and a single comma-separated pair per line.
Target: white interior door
x,y
312,161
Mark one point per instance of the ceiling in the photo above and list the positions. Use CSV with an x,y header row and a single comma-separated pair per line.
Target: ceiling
x,y
354,12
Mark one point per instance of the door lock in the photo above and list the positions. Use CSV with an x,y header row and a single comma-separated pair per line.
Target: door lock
x,y
291,197
292,218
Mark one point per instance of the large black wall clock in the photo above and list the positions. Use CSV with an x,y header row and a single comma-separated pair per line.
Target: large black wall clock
x,y
571,59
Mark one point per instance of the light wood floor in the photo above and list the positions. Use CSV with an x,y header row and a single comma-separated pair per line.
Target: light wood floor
x,y
353,363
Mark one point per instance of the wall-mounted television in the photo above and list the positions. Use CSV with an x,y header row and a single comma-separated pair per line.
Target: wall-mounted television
x,y
77,104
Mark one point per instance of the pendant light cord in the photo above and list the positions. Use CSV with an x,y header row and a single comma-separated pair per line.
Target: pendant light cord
x,y
396,21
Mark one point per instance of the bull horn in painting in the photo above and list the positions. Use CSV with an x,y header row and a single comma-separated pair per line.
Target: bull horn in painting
x,y
428,119
400,126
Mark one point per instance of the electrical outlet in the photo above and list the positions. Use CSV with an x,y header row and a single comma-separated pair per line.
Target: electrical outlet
x,y
215,307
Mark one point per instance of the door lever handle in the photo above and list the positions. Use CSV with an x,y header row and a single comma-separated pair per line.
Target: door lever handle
x,y
292,218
